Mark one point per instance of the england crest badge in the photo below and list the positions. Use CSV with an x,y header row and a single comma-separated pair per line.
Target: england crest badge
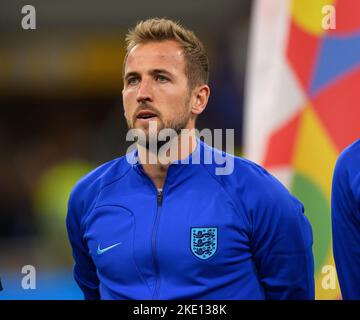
x,y
204,242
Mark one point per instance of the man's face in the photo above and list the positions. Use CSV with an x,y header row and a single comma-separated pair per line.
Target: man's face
x,y
156,87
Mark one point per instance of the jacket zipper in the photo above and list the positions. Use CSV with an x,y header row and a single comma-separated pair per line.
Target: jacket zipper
x,y
154,242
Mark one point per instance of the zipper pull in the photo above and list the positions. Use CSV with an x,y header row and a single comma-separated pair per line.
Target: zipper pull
x,y
159,196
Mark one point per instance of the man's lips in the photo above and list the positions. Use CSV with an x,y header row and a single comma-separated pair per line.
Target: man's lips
x,y
146,115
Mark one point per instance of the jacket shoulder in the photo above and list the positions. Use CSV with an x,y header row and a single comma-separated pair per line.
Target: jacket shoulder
x,y
84,193
257,182
252,188
350,156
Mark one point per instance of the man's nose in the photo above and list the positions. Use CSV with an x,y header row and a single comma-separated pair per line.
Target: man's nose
x,y
144,91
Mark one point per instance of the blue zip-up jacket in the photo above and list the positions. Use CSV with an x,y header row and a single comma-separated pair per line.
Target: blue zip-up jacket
x,y
346,220
205,236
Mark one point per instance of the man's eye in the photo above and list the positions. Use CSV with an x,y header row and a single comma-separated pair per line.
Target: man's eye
x,y
133,80
161,78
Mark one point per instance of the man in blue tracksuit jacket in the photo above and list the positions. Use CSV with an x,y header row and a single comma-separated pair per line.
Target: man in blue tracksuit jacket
x,y
346,220
181,230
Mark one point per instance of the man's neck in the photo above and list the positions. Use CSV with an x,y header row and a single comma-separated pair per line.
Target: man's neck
x,y
156,165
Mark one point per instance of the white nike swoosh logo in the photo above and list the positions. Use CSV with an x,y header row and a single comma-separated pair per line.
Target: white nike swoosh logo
x,y
101,251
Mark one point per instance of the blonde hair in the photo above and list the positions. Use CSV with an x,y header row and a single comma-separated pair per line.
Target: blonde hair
x,y
156,29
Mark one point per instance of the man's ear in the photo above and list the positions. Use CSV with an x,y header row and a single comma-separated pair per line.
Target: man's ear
x,y
200,97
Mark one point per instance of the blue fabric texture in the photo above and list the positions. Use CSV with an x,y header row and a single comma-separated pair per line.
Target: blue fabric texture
x,y
206,236
345,205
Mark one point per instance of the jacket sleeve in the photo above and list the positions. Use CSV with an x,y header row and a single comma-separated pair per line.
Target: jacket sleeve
x,y
346,227
84,269
281,242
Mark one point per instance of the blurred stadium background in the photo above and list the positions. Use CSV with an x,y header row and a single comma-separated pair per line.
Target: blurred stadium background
x,y
62,115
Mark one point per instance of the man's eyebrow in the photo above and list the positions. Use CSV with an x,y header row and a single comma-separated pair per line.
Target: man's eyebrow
x,y
157,71
131,74
152,72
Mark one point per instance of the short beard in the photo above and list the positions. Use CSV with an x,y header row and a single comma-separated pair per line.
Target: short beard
x,y
178,124
152,138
